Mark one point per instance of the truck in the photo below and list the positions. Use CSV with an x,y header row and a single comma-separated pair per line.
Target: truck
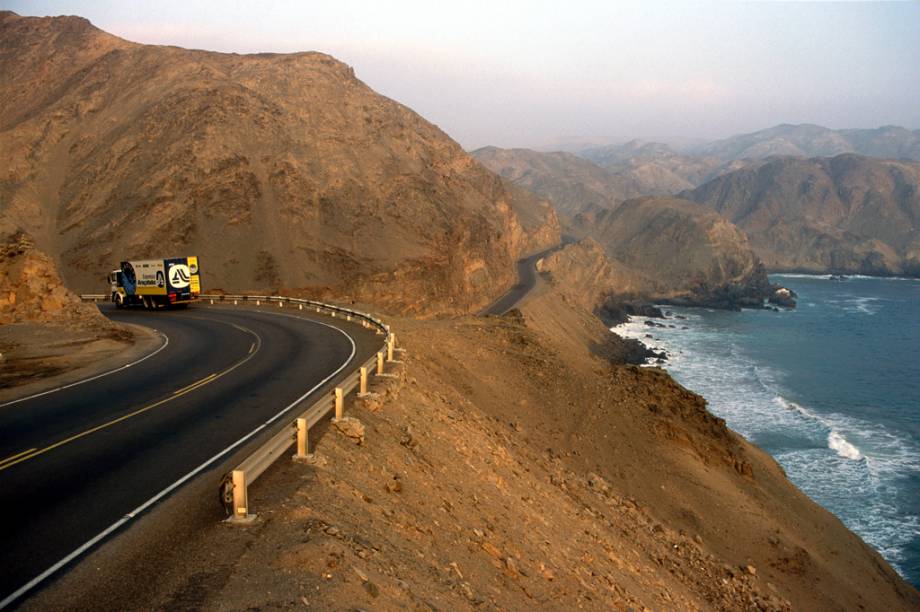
x,y
156,283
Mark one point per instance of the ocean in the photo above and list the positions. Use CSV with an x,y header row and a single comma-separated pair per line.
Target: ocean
x,y
831,390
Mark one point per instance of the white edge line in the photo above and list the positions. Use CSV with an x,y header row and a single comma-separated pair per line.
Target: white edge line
x,y
96,377
114,526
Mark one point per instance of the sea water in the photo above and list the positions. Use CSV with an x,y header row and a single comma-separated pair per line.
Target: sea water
x,y
830,389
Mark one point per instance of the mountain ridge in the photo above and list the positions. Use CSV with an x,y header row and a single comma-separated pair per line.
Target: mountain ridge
x,y
280,171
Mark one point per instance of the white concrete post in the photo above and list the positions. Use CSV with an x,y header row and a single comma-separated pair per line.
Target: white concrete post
x,y
300,307
390,350
339,403
234,302
258,302
363,388
379,363
280,304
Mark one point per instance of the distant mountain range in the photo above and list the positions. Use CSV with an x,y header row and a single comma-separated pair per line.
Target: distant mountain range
x,y
806,140
848,213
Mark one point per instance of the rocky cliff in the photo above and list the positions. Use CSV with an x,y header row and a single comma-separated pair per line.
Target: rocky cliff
x,y
31,290
847,214
678,251
279,171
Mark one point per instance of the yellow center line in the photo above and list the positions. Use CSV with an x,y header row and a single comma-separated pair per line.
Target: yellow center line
x,y
32,453
195,384
16,455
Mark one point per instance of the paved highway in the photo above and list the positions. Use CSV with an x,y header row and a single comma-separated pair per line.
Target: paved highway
x,y
527,280
75,462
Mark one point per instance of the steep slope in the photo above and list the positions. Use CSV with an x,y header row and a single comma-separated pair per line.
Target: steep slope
x,y
277,170
679,251
809,140
846,214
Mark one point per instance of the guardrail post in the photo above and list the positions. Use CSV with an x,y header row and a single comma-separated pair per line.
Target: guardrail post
x,y
212,302
333,314
339,403
280,304
303,440
348,317
379,363
240,500
390,350
362,389
234,302
258,302
300,307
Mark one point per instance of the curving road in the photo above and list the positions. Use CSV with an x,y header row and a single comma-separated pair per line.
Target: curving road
x,y
527,280
78,461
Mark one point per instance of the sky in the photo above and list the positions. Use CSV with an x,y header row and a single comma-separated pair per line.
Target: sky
x,y
551,74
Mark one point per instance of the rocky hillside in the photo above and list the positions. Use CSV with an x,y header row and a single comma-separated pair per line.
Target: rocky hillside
x,y
572,183
848,214
808,140
679,251
31,290
279,171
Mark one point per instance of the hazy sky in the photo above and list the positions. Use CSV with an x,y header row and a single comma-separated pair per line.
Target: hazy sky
x,y
534,73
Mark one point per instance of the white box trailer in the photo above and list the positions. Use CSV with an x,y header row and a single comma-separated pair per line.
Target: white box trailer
x,y
156,283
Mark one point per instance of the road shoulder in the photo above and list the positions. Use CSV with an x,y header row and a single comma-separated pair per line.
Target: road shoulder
x,y
38,358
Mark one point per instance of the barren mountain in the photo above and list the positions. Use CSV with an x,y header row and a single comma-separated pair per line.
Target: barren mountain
x,y
571,183
656,169
678,251
847,214
277,170
808,140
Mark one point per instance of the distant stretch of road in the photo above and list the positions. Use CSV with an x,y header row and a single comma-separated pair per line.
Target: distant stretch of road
x,y
527,280
76,461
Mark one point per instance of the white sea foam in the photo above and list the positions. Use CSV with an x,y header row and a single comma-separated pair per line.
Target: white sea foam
x,y
846,276
853,466
838,443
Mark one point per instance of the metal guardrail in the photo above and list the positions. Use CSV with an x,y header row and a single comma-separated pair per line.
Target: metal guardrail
x,y
234,485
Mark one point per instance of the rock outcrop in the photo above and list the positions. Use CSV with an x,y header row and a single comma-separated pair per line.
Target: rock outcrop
x,y
31,290
678,252
846,214
279,171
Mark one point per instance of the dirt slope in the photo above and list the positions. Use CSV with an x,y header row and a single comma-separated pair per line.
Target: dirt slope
x,y
278,170
508,468
847,214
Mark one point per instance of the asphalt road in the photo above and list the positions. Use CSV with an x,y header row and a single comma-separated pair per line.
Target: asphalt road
x,y
74,462
527,280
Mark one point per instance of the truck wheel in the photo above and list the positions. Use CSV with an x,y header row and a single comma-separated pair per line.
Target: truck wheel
x,y
148,303
119,301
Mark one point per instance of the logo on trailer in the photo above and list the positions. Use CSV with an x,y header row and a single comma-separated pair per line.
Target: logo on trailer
x,y
179,276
